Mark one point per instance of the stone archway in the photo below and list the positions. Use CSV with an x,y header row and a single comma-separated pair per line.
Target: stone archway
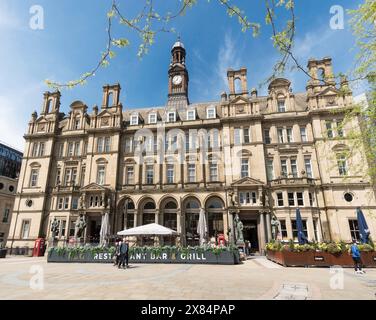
x,y
191,206
215,214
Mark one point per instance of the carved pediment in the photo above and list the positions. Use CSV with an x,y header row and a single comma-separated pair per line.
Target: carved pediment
x,y
240,100
94,187
331,91
247,181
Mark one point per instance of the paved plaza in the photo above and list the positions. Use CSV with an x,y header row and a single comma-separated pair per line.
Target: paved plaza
x,y
257,278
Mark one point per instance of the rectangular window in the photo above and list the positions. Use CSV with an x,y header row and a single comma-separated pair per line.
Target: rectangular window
x,y
77,149
342,165
267,139
60,204
107,144
41,149
170,173
171,117
291,199
281,106
61,150
6,215
58,176
299,196
215,138
83,171
303,134
311,199
210,113
280,199
354,229
244,168
101,175
329,130
237,136
149,174
269,169
70,149
34,177
34,152
130,175
295,229
187,146
284,168
294,168
63,226
280,135
152,118
74,176
74,203
246,137
129,144
247,198
66,203
308,167
67,177
25,229
340,129
85,149
134,120
191,173
213,168
191,115
290,137
283,229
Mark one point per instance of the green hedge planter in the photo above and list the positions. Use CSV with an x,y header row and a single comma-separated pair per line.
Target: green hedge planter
x,y
143,255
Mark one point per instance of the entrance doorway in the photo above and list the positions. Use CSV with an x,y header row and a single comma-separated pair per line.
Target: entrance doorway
x,y
251,234
94,229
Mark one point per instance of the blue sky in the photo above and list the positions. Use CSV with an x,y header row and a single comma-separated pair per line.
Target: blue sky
x,y
75,34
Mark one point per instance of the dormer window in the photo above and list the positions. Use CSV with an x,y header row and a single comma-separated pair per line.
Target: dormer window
x,y
171,117
281,105
211,113
191,115
152,118
134,120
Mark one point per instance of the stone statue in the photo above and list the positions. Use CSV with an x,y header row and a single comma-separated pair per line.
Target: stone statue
x,y
276,228
82,201
232,199
54,228
238,228
79,226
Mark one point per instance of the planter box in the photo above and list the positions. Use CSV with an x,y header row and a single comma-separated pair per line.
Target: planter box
x,y
3,253
319,259
189,257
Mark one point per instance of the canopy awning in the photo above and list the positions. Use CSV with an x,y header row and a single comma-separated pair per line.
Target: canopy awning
x,y
152,229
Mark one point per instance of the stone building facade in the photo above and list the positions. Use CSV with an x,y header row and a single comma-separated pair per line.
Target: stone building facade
x,y
257,156
10,165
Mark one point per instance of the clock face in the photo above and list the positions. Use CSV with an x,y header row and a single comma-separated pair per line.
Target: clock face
x,y
177,80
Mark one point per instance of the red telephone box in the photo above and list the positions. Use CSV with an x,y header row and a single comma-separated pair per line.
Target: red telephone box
x,y
38,250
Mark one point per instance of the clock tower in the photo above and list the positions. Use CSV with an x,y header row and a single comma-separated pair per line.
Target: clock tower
x,y
178,77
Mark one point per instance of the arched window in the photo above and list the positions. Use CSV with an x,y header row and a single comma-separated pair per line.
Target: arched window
x,y
170,215
214,208
128,214
148,214
192,214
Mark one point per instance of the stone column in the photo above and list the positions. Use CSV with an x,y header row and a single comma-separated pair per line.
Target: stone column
x,y
268,227
262,232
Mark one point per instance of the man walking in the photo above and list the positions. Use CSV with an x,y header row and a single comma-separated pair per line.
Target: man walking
x,y
117,252
124,249
355,253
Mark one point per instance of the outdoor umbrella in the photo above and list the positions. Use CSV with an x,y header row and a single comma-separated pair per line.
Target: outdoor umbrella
x,y
299,224
152,229
105,229
363,227
202,228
